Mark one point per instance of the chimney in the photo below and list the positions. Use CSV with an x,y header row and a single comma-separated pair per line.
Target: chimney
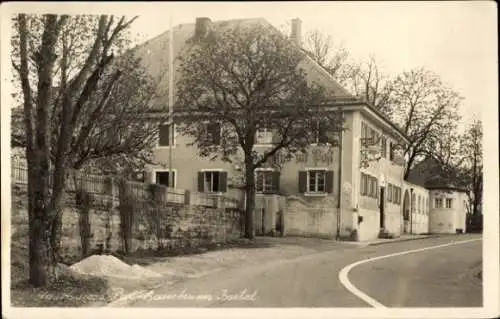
x,y
202,27
296,34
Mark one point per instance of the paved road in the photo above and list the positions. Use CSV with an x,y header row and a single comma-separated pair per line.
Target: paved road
x,y
440,277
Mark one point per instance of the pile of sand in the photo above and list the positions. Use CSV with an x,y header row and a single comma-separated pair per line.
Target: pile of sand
x,y
110,266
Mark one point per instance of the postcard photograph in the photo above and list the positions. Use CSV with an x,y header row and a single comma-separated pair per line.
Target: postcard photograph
x,y
250,159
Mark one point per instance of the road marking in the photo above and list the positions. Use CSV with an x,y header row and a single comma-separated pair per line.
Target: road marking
x,y
343,274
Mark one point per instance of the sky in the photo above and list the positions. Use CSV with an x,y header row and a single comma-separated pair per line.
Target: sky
x,y
456,40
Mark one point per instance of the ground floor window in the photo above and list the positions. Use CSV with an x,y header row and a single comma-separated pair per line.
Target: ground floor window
x,y
316,181
369,186
267,181
212,181
163,178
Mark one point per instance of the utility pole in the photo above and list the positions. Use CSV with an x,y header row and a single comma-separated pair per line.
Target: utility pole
x,y
170,103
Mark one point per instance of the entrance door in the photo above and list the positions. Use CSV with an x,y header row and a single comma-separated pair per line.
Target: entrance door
x,y
382,206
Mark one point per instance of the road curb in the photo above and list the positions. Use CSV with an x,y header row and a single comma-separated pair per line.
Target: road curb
x,y
399,240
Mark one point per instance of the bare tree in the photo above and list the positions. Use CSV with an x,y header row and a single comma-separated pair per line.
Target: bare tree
x,y
249,79
333,58
472,167
61,63
365,80
425,109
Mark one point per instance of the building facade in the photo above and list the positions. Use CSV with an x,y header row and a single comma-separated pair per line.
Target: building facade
x,y
353,189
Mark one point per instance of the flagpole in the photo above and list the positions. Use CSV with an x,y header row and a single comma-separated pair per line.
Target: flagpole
x,y
170,102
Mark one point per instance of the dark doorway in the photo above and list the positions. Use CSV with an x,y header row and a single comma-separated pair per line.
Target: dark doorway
x,y
382,206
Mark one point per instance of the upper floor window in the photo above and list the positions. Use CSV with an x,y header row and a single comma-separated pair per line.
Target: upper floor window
x,y
264,136
383,147
320,133
213,133
267,181
391,151
165,134
438,203
449,203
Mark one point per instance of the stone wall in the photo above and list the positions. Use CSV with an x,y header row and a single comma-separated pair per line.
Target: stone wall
x,y
172,226
315,218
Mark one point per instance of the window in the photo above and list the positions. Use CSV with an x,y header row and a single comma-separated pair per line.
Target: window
x,y
316,181
383,147
212,181
427,206
213,133
264,136
364,184
364,130
438,203
412,203
389,193
448,203
267,181
369,186
321,136
374,192
419,205
368,133
164,133
373,135
163,178
391,151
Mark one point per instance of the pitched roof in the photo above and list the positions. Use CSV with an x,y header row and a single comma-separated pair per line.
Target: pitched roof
x,y
154,55
427,174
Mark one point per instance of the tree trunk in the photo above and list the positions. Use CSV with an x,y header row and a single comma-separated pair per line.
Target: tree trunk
x,y
55,239
250,199
40,252
40,255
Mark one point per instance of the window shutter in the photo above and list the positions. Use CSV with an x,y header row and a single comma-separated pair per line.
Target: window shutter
x,y
276,181
223,182
201,182
329,182
302,181
164,138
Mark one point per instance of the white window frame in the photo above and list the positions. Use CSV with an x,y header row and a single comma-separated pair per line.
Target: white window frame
x,y
316,143
267,131
160,170
436,200
205,170
315,193
263,169
174,142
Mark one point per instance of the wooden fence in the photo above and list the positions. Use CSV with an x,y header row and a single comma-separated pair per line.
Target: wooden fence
x,y
100,185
